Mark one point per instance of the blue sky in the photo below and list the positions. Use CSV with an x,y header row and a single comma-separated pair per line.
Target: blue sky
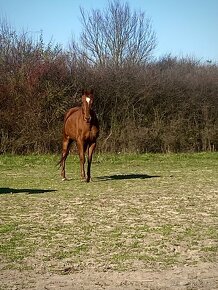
x,y
183,27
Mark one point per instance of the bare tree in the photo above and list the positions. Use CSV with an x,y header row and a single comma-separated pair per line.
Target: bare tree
x,y
116,35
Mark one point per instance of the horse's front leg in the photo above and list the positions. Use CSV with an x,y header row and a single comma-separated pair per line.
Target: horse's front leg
x,y
81,149
91,149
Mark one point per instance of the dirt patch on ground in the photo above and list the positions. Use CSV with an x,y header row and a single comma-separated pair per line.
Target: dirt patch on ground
x,y
202,276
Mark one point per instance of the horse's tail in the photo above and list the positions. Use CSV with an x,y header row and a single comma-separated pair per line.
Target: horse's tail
x,y
59,163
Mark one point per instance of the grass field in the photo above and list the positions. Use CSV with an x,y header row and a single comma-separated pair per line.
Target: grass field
x,y
140,211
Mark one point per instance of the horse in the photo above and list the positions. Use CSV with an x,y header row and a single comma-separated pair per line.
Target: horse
x,y
80,125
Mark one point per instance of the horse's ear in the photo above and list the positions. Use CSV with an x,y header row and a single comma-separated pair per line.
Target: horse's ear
x,y
83,92
87,93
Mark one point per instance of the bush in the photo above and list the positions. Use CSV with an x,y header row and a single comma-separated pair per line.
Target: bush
x,y
169,105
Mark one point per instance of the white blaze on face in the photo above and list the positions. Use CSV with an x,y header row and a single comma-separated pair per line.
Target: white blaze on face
x,y
88,100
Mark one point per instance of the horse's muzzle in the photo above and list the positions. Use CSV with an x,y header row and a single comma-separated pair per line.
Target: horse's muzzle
x,y
87,119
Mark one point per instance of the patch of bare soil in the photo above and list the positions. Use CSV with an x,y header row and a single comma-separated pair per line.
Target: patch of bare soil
x,y
202,276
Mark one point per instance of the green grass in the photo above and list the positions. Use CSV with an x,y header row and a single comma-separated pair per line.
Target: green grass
x,y
140,211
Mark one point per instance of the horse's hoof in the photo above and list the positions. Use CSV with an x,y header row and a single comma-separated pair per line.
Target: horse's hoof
x,y
64,179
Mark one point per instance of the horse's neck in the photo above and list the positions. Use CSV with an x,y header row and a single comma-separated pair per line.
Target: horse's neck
x,y
70,112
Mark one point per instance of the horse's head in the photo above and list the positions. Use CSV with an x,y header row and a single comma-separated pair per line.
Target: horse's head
x,y
87,101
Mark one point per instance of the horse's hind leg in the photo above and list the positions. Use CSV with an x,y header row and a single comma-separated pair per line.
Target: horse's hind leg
x,y
65,151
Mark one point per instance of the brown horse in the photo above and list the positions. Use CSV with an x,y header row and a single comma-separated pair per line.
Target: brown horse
x,y
80,125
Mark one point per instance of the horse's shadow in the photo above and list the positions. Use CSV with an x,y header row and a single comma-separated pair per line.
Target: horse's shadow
x,y
8,190
126,176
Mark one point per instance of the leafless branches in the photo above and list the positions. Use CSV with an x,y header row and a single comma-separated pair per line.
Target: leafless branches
x,y
116,35
143,105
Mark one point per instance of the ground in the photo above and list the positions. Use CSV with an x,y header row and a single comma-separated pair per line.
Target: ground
x,y
203,276
144,222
